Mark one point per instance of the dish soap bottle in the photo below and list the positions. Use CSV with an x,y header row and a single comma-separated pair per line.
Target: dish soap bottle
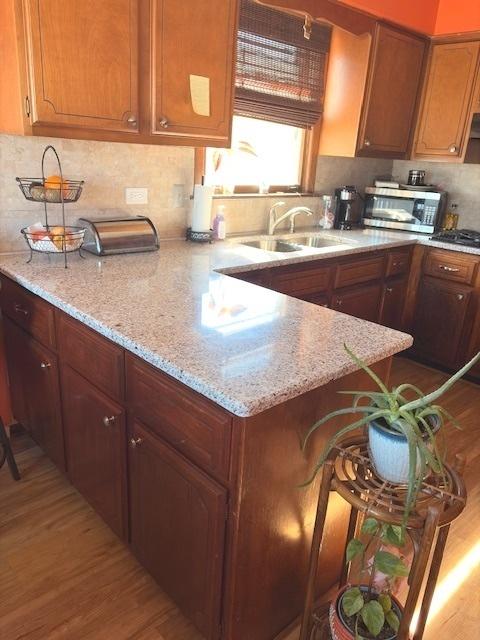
x,y
219,227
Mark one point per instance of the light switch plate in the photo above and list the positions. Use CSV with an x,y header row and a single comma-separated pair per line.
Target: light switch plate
x,y
136,195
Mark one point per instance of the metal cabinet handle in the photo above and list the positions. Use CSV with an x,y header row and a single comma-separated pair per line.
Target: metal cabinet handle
x,y
398,264
453,148
45,365
19,309
132,121
389,290
460,296
108,421
339,302
163,122
135,442
367,143
449,269
27,106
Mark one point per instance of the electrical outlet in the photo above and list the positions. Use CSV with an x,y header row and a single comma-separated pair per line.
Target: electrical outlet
x,y
136,195
178,196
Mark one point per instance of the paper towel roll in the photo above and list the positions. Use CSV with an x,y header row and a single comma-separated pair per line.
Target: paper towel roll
x,y
202,207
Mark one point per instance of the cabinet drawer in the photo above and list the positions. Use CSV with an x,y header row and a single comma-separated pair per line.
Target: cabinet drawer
x,y
357,271
450,265
398,262
190,423
299,282
28,311
92,355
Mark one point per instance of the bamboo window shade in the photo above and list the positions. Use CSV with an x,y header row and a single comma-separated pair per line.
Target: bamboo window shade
x,y
280,74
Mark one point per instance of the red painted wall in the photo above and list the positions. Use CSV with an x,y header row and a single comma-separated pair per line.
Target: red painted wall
x,y
419,15
458,15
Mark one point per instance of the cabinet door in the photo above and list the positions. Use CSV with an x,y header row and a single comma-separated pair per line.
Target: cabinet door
x,y
447,100
177,520
393,85
361,302
34,383
83,63
393,302
439,320
96,448
193,53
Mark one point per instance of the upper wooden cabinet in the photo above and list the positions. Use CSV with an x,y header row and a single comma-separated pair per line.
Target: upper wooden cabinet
x,y
447,101
192,98
391,94
83,63
373,82
145,71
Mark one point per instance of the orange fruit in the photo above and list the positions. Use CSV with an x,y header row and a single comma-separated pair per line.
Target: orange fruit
x,y
55,182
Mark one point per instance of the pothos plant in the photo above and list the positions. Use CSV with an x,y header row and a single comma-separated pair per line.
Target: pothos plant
x,y
411,418
366,608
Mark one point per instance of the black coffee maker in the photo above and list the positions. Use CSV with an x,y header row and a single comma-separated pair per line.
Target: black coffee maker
x,y
348,209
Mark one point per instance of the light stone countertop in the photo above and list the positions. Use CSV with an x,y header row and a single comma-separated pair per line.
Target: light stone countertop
x,y
244,347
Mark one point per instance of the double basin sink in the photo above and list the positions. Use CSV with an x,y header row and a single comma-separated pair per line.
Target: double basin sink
x,y
289,244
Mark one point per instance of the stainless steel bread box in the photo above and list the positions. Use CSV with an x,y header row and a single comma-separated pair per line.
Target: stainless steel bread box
x,y
125,234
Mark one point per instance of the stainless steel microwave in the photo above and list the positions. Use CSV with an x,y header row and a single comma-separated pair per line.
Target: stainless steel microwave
x,y
409,210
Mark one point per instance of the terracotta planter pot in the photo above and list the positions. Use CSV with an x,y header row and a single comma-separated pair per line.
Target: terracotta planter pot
x,y
338,627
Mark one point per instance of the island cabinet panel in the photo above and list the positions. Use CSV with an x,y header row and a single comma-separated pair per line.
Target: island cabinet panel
x,y
192,424
361,302
440,320
299,281
393,303
177,520
92,355
95,433
447,100
83,63
193,66
28,311
391,94
34,380
398,261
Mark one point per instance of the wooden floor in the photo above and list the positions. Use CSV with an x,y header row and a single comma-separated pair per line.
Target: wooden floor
x,y
64,575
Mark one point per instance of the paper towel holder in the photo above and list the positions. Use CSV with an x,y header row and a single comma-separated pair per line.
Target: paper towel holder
x,y
199,236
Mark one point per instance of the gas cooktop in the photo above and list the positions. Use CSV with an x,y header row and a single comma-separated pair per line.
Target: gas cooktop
x,y
467,237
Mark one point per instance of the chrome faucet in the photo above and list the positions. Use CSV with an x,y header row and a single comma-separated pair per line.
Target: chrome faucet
x,y
273,221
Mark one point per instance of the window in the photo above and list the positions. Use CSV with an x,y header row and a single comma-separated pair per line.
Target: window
x,y
279,93
264,155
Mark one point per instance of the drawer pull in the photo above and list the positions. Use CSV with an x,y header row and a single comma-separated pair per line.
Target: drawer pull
x,y
108,421
453,148
132,121
338,302
448,269
19,309
163,122
398,264
389,290
135,442
45,365
460,296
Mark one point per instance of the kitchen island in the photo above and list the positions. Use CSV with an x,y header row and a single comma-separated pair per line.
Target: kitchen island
x,y
174,397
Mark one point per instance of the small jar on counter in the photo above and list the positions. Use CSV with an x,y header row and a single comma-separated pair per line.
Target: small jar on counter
x,y
450,220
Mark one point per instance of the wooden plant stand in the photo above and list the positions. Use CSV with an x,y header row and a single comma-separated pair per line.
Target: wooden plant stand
x,y
441,499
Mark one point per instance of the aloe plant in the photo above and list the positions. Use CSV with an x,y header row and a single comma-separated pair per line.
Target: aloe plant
x,y
412,418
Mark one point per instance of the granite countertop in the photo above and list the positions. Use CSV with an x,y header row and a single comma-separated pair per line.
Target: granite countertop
x,y
244,347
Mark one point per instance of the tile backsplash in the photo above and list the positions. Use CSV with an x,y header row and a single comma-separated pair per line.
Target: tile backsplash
x,y
462,181
167,172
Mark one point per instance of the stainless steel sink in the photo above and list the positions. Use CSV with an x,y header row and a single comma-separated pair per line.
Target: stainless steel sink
x,y
280,246
318,242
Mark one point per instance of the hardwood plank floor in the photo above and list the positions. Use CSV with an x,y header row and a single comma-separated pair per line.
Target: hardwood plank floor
x,y
64,574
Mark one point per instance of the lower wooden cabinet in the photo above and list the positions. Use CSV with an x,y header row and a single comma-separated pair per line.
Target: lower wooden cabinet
x,y
361,302
177,521
96,448
34,382
393,302
440,316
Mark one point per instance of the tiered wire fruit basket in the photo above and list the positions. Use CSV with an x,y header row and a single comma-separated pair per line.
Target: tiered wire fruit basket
x,y
48,238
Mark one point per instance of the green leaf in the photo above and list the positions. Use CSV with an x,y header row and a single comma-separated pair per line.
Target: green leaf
x,y
373,617
367,369
393,621
335,414
393,534
354,548
370,526
390,565
352,601
385,602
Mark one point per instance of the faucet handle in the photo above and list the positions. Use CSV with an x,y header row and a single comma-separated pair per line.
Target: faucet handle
x,y
273,209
